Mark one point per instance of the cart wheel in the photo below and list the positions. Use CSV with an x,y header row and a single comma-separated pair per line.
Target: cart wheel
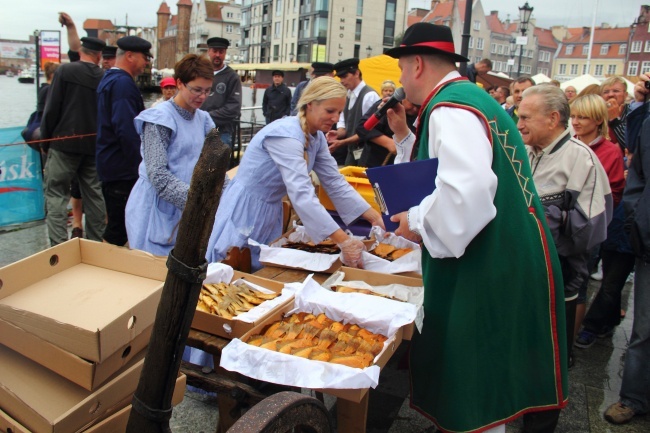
x,y
285,412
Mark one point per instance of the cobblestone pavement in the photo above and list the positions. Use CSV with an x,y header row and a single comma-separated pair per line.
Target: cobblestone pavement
x,y
594,381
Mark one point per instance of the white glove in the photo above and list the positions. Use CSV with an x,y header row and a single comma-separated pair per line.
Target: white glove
x,y
351,250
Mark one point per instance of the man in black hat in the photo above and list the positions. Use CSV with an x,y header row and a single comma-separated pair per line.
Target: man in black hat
x,y
276,102
224,101
318,69
492,321
71,111
344,142
118,143
108,57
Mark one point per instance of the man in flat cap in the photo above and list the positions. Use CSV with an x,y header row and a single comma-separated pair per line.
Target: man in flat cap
x,y
71,111
344,142
118,143
276,102
493,345
108,57
224,101
317,69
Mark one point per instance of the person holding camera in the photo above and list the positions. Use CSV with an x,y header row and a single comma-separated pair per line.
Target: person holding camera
x,y
633,396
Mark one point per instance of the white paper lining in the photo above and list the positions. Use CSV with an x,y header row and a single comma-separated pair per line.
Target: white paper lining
x,y
411,262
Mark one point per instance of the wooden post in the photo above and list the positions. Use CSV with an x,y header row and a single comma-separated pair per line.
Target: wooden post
x,y
152,400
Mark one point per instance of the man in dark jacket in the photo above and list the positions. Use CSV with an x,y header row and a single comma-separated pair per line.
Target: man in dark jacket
x,y
482,67
71,110
118,144
633,396
224,101
277,99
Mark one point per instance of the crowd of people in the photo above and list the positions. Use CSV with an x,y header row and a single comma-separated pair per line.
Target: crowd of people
x,y
554,177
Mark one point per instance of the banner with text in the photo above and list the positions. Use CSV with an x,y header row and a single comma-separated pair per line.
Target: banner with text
x,y
50,46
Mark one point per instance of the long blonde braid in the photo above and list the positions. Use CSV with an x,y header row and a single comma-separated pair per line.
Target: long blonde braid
x,y
318,89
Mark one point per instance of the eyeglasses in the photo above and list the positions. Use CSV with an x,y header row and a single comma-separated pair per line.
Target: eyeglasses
x,y
197,91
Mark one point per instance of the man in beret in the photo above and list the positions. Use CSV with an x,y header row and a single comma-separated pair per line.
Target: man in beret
x,y
276,102
317,69
108,57
118,143
224,101
344,142
493,345
71,111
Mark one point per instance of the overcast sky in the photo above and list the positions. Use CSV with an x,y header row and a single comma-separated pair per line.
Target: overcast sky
x,y
19,20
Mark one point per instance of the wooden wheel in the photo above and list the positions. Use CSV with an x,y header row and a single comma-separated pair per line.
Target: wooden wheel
x,y
285,412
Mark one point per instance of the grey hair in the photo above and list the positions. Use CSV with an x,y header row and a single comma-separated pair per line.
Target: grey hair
x,y
553,99
120,52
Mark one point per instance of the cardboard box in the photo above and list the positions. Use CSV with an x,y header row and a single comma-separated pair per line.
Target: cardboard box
x,y
44,402
115,423
379,279
87,374
214,325
354,395
88,298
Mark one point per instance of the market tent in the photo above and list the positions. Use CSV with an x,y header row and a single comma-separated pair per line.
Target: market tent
x,y
580,82
540,78
377,69
630,87
493,79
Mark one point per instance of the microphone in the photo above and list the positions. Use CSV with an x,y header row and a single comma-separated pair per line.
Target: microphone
x,y
398,96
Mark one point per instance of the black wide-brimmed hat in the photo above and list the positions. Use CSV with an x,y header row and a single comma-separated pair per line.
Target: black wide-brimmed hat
x,y
427,38
109,51
322,68
135,44
91,43
217,42
346,66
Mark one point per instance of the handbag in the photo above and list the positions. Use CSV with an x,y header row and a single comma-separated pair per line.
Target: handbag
x,y
33,123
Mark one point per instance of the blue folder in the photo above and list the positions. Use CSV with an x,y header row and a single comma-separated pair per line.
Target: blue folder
x,y
399,187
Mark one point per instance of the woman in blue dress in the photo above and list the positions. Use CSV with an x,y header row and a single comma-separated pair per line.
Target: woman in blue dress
x,y
172,135
277,162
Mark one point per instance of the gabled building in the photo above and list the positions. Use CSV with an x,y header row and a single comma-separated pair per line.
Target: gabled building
x,y
608,53
501,37
546,48
638,57
214,18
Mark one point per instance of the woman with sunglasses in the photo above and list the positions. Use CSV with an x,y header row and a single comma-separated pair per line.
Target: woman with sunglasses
x,y
277,162
172,135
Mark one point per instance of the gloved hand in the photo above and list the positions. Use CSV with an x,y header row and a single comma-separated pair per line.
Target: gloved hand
x,y
351,250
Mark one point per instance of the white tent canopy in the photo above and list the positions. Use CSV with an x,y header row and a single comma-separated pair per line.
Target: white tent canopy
x,y
580,82
540,78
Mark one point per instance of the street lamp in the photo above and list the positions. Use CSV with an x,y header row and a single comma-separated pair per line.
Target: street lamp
x,y
524,17
369,50
513,50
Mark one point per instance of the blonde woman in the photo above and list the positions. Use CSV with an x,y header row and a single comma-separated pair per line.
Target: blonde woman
x,y
277,162
387,89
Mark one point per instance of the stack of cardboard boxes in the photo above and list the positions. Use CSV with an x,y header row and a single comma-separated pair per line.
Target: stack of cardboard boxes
x,y
75,321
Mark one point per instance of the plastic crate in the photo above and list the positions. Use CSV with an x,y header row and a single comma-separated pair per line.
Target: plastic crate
x,y
356,176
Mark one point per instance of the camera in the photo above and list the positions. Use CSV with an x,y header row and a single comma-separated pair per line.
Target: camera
x,y
647,85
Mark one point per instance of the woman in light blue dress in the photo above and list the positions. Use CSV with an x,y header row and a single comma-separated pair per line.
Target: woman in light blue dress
x,y
172,136
277,162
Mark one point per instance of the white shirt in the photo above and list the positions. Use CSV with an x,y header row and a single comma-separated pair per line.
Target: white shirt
x,y
463,202
369,99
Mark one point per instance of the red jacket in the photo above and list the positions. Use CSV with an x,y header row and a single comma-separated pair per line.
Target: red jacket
x,y
611,158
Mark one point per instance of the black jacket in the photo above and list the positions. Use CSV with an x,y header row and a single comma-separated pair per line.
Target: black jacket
x,y
276,102
224,101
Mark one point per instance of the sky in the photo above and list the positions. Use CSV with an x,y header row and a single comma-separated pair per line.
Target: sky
x,y
24,16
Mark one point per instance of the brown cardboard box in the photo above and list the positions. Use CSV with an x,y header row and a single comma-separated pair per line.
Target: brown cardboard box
x,y
115,423
214,325
379,279
44,402
354,395
88,298
87,374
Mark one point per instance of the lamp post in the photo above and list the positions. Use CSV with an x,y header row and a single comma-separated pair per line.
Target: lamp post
x,y
524,17
37,53
513,49
369,50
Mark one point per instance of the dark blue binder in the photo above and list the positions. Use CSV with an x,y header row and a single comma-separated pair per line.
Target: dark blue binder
x,y
399,187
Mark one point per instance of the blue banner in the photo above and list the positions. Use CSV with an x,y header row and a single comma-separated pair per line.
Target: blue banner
x,y
21,180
